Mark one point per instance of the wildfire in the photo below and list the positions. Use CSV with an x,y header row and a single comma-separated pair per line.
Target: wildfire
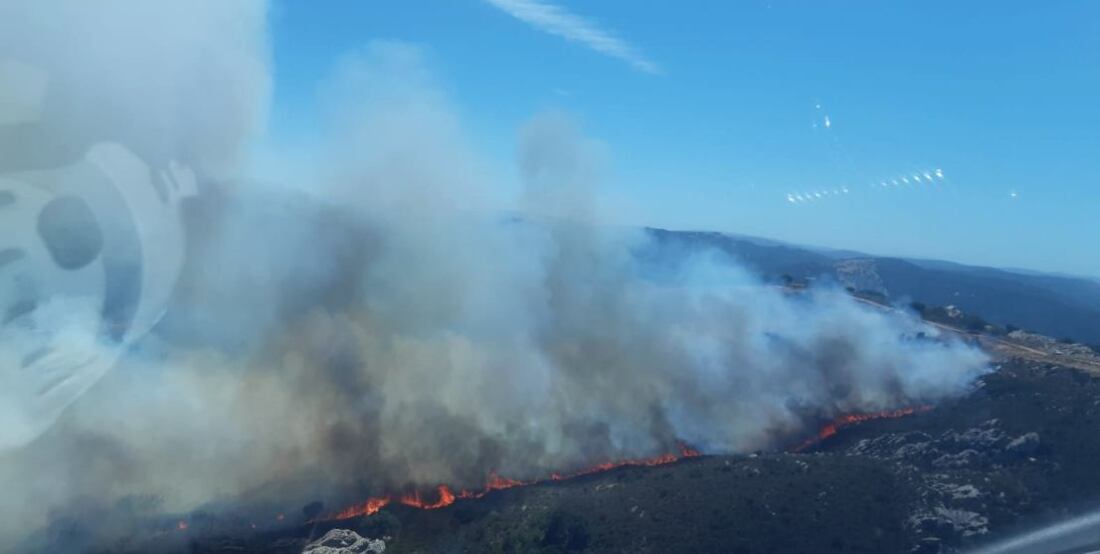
x,y
445,496
371,506
848,420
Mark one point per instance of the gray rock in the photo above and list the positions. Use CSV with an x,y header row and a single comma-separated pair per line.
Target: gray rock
x,y
1025,444
941,518
344,541
966,458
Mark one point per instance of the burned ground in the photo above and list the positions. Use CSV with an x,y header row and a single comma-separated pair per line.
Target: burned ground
x,y
1018,450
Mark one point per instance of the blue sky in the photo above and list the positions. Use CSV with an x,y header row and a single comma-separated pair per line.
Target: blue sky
x,y
713,114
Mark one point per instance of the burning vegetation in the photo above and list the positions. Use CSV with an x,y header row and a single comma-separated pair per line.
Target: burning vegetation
x,y
847,420
551,338
445,496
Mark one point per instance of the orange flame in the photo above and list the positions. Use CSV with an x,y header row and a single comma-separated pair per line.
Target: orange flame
x,y
446,496
370,507
494,482
848,420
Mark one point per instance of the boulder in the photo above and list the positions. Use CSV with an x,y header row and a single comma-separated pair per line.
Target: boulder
x,y
344,541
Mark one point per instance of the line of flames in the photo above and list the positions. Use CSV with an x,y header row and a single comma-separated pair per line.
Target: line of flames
x,y
848,420
445,496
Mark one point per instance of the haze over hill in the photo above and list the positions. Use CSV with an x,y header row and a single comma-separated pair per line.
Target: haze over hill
x,y
1056,305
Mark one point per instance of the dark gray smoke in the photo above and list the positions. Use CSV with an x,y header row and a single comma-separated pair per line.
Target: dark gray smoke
x,y
382,322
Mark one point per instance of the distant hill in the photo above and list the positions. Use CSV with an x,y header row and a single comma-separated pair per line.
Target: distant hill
x,y
1055,305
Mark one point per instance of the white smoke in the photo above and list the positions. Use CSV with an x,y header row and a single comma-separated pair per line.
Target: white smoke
x,y
170,80
386,324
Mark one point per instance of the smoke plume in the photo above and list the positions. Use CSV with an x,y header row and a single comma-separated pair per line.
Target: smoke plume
x,y
385,323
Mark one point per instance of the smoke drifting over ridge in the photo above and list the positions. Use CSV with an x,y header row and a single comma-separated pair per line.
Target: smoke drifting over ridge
x,y
382,323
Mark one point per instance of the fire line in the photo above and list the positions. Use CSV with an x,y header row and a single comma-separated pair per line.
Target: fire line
x,y
849,420
446,496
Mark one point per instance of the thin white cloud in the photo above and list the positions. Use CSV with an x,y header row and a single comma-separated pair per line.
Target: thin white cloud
x,y
556,20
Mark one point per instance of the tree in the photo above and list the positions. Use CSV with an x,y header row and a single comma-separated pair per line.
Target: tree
x,y
975,324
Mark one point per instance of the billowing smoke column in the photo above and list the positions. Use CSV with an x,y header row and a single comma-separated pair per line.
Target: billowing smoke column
x,y
378,321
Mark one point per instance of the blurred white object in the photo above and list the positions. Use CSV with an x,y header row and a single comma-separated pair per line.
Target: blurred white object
x,y
89,256
24,90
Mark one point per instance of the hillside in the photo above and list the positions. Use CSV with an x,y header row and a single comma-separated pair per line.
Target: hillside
x,y
1017,450
1055,305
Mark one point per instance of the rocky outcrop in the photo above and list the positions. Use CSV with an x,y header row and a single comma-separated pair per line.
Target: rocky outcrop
x,y
860,274
344,541
951,470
